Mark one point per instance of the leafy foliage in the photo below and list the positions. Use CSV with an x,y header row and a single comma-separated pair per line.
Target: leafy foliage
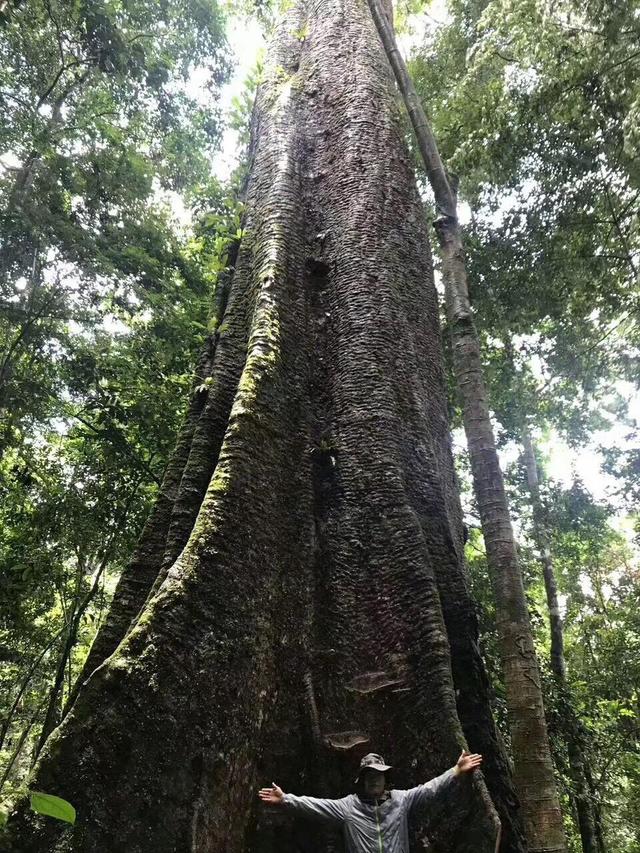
x,y
106,296
533,107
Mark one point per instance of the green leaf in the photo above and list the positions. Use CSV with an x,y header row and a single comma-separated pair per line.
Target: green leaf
x,y
48,804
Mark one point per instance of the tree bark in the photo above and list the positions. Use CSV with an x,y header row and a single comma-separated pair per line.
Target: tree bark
x,y
532,755
574,736
301,622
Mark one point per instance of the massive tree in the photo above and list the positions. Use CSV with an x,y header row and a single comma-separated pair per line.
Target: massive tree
x,y
299,592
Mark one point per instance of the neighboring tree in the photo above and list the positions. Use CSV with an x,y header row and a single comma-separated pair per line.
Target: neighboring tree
x,y
573,730
310,596
597,578
540,120
597,572
520,402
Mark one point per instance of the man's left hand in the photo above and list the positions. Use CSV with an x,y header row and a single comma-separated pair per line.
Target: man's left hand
x,y
468,762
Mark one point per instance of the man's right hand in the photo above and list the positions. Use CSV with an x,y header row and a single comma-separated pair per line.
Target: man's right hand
x,y
273,796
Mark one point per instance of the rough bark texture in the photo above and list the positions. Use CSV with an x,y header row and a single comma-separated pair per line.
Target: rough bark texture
x,y
533,763
302,622
159,544
573,733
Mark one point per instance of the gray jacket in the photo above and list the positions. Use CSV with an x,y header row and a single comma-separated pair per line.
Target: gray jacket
x,y
369,827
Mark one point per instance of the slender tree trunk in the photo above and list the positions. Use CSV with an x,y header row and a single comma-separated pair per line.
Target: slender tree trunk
x,y
532,755
53,710
7,721
558,665
596,800
301,622
20,744
569,719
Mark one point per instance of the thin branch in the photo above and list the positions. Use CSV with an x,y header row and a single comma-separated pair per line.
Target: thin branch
x,y
20,744
56,25
54,83
20,101
141,463
443,192
618,227
617,64
23,686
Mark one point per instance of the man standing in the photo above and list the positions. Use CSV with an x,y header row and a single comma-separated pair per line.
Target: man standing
x,y
375,820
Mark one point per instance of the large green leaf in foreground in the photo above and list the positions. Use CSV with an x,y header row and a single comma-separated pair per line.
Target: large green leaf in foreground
x,y
48,804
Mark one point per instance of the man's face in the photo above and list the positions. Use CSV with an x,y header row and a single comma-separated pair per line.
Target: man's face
x,y
373,783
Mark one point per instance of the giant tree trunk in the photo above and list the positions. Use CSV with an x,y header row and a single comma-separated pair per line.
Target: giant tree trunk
x,y
572,728
299,621
534,772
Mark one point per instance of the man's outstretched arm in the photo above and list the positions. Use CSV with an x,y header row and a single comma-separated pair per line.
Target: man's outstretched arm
x,y
328,810
426,794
